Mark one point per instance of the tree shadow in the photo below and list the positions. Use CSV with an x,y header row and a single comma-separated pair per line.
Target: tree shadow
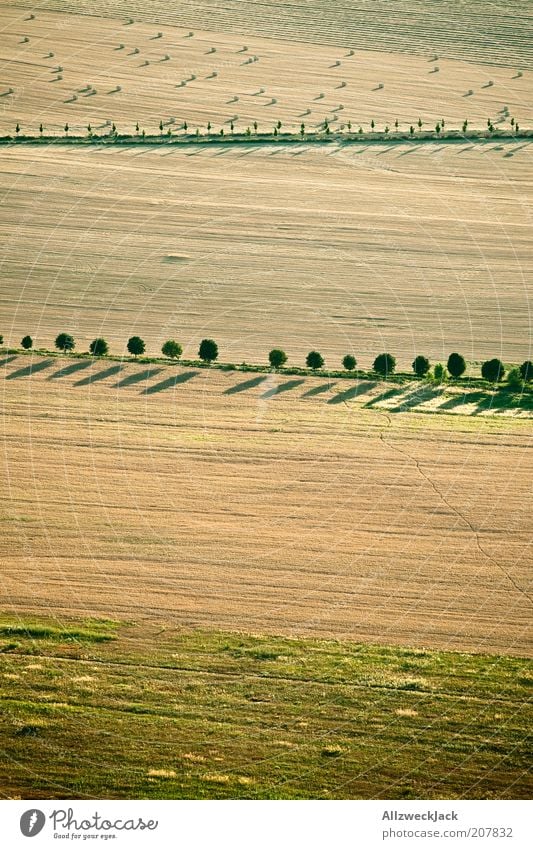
x,y
7,360
389,393
28,370
353,392
283,387
414,398
101,375
170,382
248,384
461,399
318,390
70,369
137,377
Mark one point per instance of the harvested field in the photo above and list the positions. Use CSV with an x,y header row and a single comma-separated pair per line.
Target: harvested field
x,y
61,68
263,504
479,31
358,249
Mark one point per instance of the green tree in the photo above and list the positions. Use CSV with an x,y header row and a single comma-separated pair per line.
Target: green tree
x,y
419,122
420,366
526,370
1,339
99,347
515,380
465,126
314,360
349,362
384,364
439,373
277,358
17,128
493,370
456,365
65,342
172,349
208,351
136,346
27,343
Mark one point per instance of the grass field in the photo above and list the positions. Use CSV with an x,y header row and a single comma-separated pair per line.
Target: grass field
x,y
387,247
108,710
261,503
101,71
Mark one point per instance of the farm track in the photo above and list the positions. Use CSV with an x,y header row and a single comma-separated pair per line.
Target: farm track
x,y
263,513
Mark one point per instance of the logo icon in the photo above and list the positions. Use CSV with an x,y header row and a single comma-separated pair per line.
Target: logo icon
x,y
32,822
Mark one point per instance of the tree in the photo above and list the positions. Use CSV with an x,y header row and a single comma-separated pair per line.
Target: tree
x,y
65,342
349,362
372,124
136,346
172,349
277,358
526,370
41,128
1,339
420,366
515,380
99,347
384,364
493,370
161,126
17,128
439,373
456,365
208,351
314,360
66,129
419,122
27,343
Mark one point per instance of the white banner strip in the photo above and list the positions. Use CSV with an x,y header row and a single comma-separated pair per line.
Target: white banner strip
x,y
267,824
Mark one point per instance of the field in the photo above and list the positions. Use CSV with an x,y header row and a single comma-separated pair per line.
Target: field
x,y
102,71
226,584
357,250
110,710
263,504
481,31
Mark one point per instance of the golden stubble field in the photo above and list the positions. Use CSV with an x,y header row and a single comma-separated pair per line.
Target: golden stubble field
x,y
260,503
483,30
58,68
416,250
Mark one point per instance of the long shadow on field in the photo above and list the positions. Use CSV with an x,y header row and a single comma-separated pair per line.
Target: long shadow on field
x,y
170,382
283,387
415,398
101,375
390,393
459,400
27,370
318,390
71,369
248,384
138,377
7,360
353,392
